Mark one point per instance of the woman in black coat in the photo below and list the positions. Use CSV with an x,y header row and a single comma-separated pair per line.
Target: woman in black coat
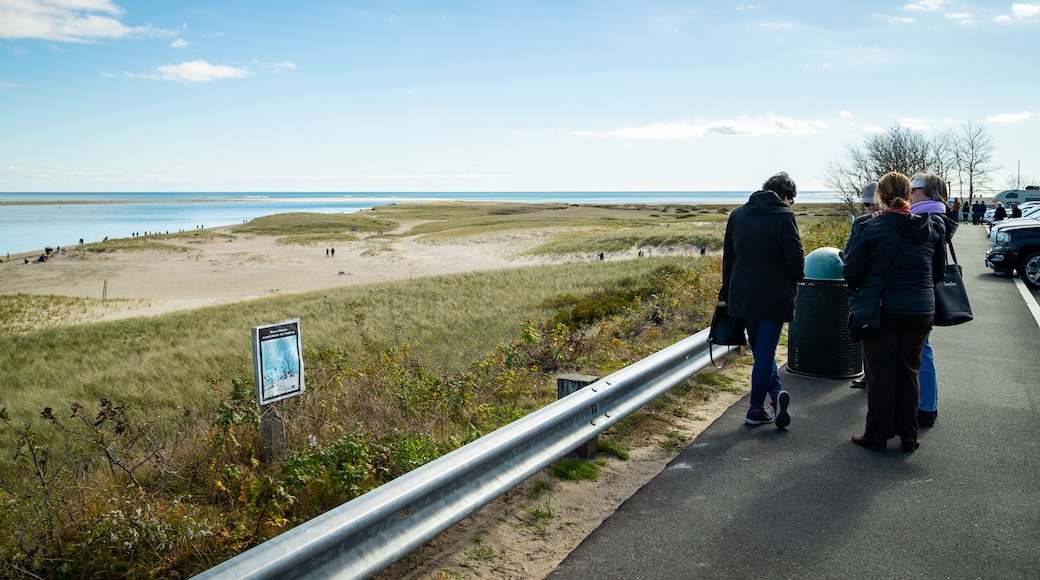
x,y
762,263
898,257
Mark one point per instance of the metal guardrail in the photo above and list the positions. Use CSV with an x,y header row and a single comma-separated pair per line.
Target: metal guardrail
x,y
367,534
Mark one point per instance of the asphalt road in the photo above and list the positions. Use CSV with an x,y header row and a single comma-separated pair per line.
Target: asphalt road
x,y
745,502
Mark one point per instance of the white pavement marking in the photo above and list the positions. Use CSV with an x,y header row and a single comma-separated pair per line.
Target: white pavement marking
x,y
1030,301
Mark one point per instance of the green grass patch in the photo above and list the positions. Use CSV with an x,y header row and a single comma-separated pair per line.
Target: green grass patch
x,y
575,470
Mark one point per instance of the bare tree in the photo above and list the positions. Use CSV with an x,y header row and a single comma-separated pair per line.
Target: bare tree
x,y
974,155
963,157
897,149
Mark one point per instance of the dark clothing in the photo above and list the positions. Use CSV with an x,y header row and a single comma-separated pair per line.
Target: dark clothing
x,y
891,360
919,265
1015,212
762,260
999,214
912,247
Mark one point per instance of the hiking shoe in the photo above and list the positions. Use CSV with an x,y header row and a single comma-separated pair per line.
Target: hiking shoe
x,y
783,399
758,417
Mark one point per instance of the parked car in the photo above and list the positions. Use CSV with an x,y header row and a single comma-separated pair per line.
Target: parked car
x,y
1029,215
1016,247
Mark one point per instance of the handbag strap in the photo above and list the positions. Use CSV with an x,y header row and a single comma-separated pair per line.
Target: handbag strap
x,y
949,242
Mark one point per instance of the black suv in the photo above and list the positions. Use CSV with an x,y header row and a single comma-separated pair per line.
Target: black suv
x,y
1017,247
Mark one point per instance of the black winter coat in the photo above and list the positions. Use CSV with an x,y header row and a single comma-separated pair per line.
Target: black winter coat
x,y
762,260
917,267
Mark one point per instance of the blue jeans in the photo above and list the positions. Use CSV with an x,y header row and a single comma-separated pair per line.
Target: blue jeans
x,y
763,336
927,380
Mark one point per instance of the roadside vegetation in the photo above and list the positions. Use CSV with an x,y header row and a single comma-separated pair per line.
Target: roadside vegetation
x,y
131,448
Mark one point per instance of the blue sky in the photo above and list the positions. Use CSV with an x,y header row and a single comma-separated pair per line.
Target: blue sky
x,y
329,96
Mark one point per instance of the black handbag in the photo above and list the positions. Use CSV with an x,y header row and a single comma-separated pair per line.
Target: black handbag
x,y
951,297
725,330
864,315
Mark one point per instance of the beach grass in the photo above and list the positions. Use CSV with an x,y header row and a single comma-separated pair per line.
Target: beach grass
x,y
166,364
310,228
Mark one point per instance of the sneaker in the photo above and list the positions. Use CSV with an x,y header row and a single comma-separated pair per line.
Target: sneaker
x,y
783,400
757,417
859,383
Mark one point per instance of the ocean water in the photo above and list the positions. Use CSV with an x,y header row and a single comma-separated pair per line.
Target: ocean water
x,y
30,222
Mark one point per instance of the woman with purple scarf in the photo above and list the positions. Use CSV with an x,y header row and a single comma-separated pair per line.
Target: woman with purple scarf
x,y
928,194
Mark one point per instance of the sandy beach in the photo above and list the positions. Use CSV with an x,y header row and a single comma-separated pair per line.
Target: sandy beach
x,y
234,267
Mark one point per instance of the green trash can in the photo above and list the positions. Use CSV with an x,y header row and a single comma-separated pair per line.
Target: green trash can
x,y
818,340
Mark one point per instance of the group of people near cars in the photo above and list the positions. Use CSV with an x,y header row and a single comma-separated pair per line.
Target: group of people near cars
x,y
896,251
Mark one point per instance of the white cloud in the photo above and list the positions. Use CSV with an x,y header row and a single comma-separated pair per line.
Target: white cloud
x,y
895,19
742,7
274,65
915,123
67,20
784,25
1025,10
1012,117
962,17
196,71
769,124
845,115
873,129
105,75
179,43
925,5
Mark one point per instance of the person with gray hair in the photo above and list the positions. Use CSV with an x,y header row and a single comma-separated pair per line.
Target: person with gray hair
x,y
928,193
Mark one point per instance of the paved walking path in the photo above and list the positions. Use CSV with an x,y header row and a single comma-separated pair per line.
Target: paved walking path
x,y
746,502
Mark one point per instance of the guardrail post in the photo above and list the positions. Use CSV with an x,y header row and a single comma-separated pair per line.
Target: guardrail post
x,y
570,383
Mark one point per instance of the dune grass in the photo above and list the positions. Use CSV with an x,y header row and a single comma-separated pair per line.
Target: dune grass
x,y
166,363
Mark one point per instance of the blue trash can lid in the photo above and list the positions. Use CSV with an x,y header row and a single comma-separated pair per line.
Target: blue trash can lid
x,y
824,264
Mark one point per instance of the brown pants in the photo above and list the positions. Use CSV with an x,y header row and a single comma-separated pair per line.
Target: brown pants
x,y
892,358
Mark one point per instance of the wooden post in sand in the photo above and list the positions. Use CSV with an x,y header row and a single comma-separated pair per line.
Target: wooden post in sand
x,y
104,291
571,383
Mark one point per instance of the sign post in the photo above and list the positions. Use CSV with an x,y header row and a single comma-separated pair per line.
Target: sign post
x,y
278,368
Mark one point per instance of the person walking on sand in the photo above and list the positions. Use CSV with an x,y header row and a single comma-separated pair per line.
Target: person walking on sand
x,y
762,263
896,259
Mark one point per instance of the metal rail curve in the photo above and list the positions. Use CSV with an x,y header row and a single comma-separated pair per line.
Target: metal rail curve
x,y
367,534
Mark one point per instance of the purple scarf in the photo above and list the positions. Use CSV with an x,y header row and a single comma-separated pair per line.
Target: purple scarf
x,y
928,206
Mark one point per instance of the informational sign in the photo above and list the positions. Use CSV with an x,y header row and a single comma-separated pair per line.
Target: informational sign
x,y
278,361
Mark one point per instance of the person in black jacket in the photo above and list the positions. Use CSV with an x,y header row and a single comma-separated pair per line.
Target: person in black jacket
x,y
762,263
870,205
896,258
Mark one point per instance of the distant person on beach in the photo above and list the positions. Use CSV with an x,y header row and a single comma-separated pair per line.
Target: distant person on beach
x,y
333,252
762,263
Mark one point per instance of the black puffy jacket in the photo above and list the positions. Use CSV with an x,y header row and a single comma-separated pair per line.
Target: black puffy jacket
x,y
762,260
915,267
